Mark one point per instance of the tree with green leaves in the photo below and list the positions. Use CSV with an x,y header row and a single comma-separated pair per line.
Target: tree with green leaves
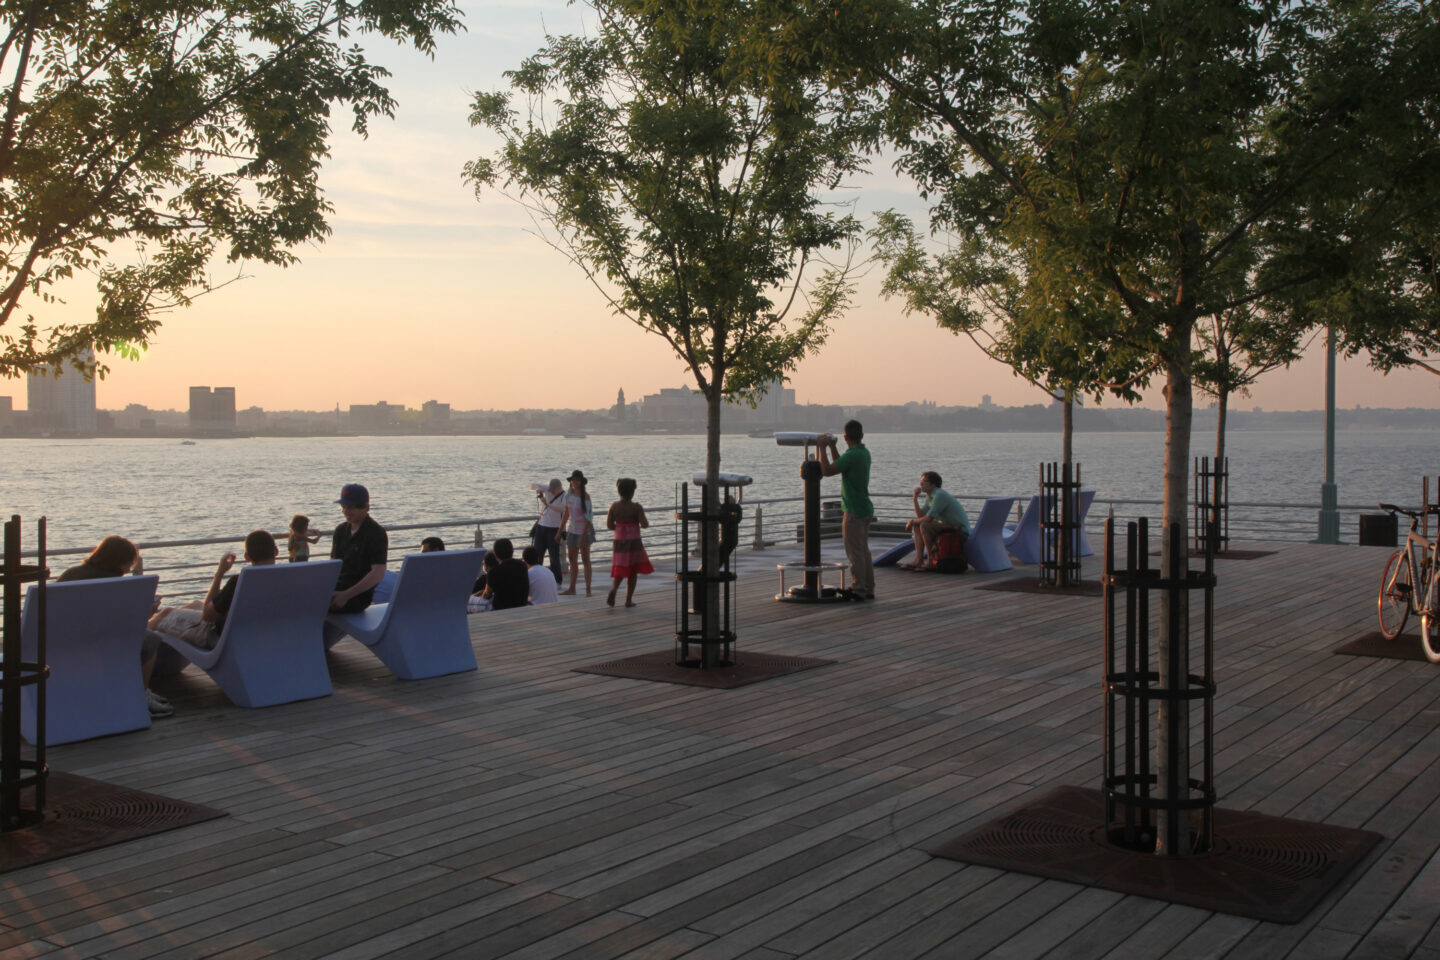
x,y
142,139
1137,167
968,291
689,193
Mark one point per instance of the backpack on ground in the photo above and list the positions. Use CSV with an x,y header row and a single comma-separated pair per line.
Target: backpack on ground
x,y
949,553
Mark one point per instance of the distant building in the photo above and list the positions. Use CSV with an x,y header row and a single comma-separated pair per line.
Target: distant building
x,y
7,413
212,411
673,405
61,400
618,411
434,414
250,419
374,417
777,404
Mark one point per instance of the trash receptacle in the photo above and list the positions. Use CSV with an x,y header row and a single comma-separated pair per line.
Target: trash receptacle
x,y
1378,530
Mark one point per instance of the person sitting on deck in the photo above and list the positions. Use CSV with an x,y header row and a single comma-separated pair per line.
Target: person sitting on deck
x,y
542,582
116,557
481,596
940,511
509,582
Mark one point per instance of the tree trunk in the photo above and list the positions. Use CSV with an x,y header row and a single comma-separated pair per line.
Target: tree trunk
x,y
710,547
1172,747
1068,428
1222,409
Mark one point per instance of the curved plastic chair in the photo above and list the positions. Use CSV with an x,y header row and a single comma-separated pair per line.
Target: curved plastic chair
x,y
93,633
384,590
1087,497
423,631
1022,539
272,649
986,547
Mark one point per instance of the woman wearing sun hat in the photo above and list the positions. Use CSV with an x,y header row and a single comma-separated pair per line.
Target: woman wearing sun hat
x,y
577,526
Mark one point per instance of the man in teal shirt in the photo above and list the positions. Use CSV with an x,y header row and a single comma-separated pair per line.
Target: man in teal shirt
x,y
853,468
940,511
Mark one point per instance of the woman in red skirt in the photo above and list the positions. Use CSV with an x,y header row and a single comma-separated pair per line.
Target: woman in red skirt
x,y
627,518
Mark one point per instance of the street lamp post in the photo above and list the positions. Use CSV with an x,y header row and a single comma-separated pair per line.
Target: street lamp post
x,y
1329,531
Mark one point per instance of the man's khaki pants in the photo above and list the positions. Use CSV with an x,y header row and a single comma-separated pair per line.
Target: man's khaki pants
x,y
856,533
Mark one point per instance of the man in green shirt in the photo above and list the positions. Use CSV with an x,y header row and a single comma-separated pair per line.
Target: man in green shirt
x,y
853,468
940,511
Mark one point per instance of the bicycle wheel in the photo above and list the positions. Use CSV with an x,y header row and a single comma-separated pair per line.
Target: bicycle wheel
x,y
1430,622
1393,603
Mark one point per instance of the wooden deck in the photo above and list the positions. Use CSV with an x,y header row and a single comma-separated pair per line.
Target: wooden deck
x,y
529,811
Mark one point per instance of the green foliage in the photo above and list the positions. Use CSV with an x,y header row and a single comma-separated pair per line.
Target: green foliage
x,y
1120,171
140,139
687,187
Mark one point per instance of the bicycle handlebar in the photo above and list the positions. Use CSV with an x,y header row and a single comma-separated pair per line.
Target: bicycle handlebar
x,y
1392,509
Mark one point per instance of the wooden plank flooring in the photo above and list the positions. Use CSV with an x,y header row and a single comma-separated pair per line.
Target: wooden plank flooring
x,y
528,811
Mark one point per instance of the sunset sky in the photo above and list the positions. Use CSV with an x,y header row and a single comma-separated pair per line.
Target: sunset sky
x,y
423,292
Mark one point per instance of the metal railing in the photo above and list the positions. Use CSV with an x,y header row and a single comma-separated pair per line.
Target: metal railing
x,y
185,566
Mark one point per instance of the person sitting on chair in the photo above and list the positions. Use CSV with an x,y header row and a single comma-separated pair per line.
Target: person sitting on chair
x,y
201,625
116,557
940,511
360,544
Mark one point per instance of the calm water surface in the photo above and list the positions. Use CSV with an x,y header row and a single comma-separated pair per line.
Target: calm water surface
x,y
155,489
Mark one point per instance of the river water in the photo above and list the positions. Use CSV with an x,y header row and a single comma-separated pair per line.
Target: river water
x,y
154,489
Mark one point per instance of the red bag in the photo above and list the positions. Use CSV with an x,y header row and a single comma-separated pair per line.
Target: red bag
x,y
949,553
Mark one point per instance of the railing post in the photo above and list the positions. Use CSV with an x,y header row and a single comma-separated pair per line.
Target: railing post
x,y
759,543
479,536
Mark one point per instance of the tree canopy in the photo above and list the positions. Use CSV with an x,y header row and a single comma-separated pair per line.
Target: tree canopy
x,y
142,139
1120,171
690,192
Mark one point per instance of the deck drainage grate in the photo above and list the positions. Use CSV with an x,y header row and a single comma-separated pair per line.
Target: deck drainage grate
x,y
1373,644
1266,868
660,667
83,814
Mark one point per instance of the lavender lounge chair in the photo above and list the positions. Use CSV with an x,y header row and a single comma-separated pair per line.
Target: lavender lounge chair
x,y
1087,497
986,547
1022,539
272,649
93,633
423,631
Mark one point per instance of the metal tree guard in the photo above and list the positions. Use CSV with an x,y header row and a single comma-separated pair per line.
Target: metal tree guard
x,y
16,771
1059,524
1136,682
713,648
1211,509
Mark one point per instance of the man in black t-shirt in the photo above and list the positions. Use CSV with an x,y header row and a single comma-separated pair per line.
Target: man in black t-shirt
x,y
510,581
361,546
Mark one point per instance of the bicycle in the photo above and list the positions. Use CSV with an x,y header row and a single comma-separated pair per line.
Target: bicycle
x,y
1398,594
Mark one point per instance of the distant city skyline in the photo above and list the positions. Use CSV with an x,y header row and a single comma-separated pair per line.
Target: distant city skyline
x,y
422,292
